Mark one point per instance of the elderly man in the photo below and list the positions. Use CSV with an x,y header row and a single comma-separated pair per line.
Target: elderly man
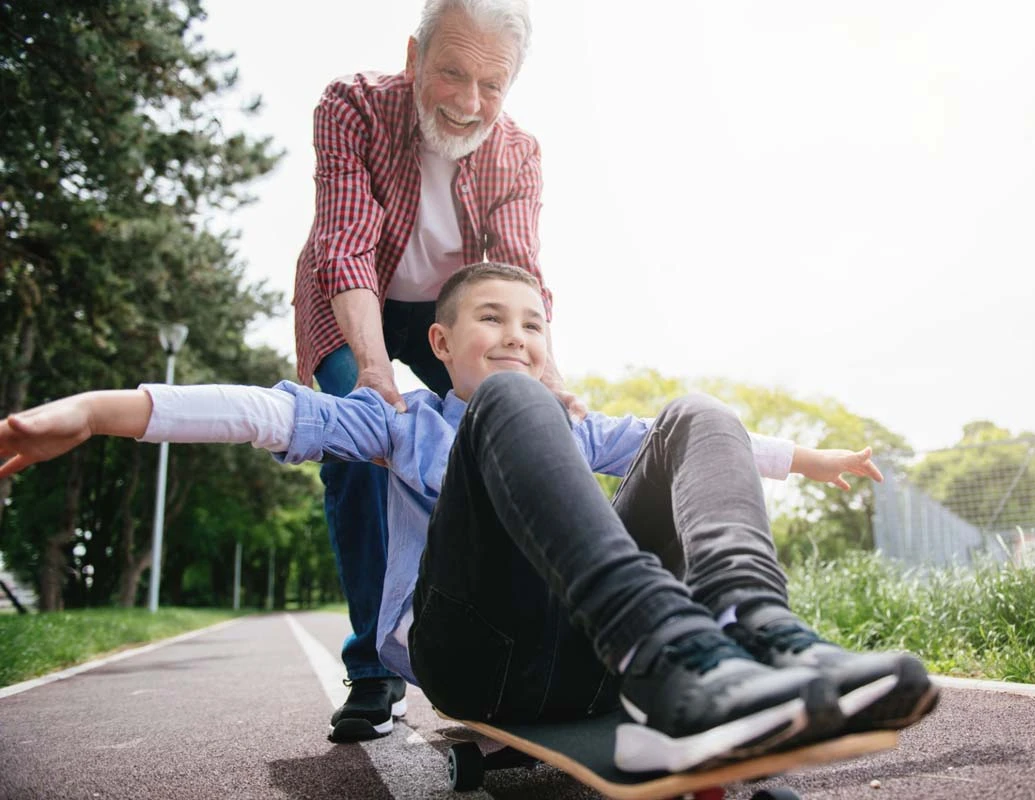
x,y
417,174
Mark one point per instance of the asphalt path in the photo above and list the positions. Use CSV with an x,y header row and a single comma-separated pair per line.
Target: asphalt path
x,y
240,710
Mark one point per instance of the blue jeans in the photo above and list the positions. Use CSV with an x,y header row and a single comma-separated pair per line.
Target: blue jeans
x,y
355,496
533,587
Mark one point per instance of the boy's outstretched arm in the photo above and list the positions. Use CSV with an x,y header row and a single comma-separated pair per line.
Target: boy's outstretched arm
x,y
827,466
48,431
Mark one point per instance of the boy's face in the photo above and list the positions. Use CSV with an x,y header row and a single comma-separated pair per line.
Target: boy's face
x,y
500,326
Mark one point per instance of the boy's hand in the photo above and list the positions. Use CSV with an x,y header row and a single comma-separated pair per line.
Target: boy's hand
x,y
826,466
43,433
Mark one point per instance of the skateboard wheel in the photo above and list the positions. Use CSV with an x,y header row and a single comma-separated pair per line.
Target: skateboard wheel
x,y
466,767
711,793
779,793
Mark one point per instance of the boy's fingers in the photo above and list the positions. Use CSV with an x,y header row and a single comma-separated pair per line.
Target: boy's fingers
x,y
17,423
867,467
12,465
841,483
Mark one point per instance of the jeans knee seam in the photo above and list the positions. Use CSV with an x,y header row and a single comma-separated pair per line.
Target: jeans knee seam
x,y
524,525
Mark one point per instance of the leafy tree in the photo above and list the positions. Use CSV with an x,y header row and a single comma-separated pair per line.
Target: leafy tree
x,y
987,478
642,393
111,156
807,518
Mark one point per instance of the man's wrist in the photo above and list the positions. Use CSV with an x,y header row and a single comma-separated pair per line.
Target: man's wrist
x,y
368,362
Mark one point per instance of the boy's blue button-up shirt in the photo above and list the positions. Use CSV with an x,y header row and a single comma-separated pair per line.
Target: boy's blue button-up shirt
x,y
415,446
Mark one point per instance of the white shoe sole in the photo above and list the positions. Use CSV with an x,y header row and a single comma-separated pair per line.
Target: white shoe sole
x,y
398,710
851,703
642,749
383,728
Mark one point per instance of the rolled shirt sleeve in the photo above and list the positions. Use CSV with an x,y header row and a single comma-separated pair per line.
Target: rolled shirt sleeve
x,y
228,414
294,422
350,428
773,456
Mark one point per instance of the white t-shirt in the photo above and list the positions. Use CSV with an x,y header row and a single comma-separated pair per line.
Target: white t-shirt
x,y
435,249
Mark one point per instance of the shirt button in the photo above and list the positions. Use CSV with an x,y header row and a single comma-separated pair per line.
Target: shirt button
x,y
465,187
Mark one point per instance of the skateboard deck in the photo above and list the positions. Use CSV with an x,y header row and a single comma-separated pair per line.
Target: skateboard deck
x,y
584,749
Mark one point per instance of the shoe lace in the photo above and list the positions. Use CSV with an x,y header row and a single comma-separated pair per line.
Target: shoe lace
x,y
794,638
704,650
363,687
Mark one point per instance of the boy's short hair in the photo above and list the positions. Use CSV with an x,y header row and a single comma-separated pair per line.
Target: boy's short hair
x,y
449,294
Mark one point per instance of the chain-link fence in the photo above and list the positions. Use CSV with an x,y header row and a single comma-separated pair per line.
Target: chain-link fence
x,y
950,507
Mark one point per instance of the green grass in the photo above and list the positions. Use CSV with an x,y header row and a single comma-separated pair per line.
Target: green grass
x,y
971,623
35,644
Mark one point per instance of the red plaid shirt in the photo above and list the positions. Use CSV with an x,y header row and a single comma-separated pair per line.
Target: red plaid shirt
x,y
367,142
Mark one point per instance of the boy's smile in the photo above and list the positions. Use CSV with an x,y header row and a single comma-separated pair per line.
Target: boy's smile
x,y
500,325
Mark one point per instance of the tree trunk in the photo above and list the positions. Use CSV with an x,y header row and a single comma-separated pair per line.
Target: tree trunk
x,y
15,385
172,580
131,564
54,569
282,571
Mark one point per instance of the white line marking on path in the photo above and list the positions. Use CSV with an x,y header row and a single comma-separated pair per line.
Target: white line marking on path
x,y
24,686
409,767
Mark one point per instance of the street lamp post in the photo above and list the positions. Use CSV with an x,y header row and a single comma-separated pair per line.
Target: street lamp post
x,y
172,336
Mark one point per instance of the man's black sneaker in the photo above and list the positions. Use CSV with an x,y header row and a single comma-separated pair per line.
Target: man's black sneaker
x,y
877,691
369,709
691,696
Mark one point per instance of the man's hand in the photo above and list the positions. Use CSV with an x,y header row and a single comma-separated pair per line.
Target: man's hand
x,y
381,379
358,314
553,381
826,466
577,410
43,433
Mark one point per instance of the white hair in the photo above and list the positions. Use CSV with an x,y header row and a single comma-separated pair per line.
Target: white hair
x,y
502,16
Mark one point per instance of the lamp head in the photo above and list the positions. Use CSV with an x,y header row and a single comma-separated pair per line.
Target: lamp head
x,y
172,335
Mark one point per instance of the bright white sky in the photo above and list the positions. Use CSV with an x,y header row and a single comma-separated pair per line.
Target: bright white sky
x,y
837,198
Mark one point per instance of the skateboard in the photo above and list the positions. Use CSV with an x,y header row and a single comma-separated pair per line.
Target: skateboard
x,y
584,749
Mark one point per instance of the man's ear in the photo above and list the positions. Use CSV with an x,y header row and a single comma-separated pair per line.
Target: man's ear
x,y
438,338
411,59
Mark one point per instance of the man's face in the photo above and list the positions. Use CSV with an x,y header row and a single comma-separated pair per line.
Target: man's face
x,y
500,327
460,83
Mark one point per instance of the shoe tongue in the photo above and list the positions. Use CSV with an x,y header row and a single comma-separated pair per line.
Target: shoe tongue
x,y
672,630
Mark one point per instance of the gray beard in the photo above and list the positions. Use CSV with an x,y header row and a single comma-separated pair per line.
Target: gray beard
x,y
444,144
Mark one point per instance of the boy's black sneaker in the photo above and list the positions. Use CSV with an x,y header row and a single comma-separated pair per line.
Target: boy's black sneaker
x,y
877,691
691,696
369,710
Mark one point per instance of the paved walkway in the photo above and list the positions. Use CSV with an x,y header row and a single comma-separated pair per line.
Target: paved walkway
x,y
240,711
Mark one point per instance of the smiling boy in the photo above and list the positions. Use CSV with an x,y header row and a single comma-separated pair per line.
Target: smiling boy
x,y
515,591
